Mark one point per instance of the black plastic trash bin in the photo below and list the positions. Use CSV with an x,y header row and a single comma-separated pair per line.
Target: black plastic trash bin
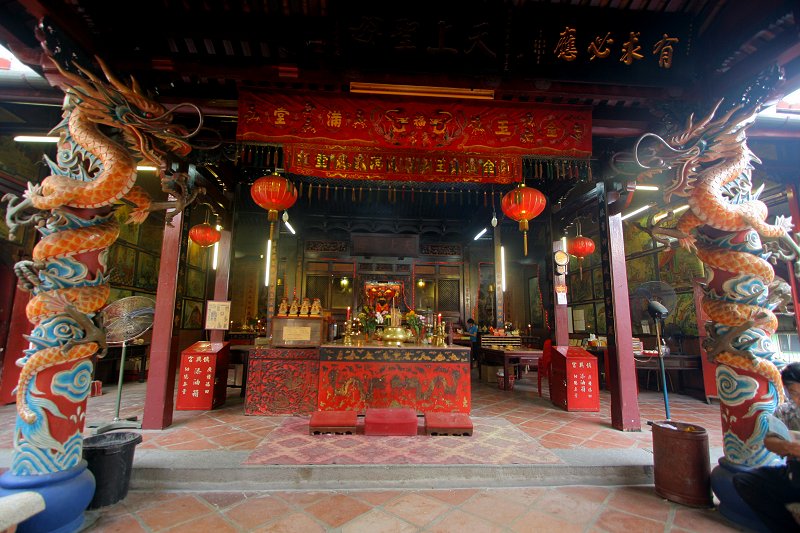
x,y
110,458
681,465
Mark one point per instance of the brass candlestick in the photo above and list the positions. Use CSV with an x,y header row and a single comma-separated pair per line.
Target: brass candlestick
x,y
348,331
438,339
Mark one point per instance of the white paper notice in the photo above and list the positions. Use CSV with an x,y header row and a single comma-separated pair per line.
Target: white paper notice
x,y
561,298
218,315
296,333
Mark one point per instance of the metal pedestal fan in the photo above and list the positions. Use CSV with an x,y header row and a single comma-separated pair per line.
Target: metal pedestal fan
x,y
655,299
125,321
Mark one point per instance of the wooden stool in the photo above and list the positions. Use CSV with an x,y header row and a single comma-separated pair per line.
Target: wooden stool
x,y
391,422
455,424
337,422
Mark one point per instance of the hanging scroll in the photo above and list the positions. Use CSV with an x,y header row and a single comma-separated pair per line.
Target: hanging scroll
x,y
376,138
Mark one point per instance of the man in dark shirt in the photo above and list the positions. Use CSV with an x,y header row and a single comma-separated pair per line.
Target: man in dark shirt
x,y
768,490
472,330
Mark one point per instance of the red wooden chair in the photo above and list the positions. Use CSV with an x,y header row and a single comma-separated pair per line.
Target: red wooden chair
x,y
543,368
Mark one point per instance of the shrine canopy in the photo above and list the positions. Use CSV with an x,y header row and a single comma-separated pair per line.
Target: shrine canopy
x,y
383,293
379,138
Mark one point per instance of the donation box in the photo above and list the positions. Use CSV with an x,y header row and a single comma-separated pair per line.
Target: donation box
x,y
573,379
203,376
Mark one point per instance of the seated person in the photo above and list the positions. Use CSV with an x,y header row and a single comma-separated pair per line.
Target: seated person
x,y
767,490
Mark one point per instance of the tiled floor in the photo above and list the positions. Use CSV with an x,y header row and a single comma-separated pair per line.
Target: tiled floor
x,y
565,508
562,509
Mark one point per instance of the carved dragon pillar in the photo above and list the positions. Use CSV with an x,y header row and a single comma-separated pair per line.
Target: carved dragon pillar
x,y
73,209
725,225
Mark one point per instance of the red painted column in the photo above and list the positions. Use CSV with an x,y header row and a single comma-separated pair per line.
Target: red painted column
x,y
621,366
19,325
561,318
709,368
158,403
794,210
222,278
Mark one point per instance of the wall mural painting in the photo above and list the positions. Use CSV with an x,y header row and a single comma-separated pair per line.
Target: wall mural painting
x,y
684,316
640,269
679,268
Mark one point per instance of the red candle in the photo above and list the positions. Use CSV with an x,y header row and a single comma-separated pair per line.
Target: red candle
x,y
439,323
348,315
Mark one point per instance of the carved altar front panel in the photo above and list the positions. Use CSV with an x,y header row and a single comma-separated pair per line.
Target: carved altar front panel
x,y
282,381
425,379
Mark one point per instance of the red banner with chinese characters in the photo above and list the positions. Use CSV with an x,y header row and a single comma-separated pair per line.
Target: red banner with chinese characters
x,y
357,137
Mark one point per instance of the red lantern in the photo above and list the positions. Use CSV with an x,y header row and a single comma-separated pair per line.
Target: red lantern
x,y
204,234
580,247
523,204
273,193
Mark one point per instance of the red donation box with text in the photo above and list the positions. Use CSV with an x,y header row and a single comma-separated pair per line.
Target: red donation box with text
x,y
203,376
573,381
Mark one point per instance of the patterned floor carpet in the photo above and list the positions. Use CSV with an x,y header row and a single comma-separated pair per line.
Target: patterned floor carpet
x,y
494,441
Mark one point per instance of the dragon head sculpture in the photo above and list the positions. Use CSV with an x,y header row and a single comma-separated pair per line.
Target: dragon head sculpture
x,y
146,125
698,147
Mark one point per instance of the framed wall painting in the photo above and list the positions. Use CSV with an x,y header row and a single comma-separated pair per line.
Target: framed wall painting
x,y
195,283
121,264
192,314
195,254
127,232
151,234
580,288
147,271
535,297
597,282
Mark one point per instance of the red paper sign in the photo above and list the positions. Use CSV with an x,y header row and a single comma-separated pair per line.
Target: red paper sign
x,y
377,138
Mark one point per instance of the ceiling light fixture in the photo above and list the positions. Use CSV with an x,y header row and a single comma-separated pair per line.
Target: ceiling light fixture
x,y
637,211
661,216
421,90
647,187
146,168
480,234
289,227
36,139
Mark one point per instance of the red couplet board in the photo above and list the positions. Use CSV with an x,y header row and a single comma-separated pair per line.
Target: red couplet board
x,y
574,382
203,376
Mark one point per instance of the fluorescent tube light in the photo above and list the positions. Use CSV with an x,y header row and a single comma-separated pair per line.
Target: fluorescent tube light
x,y
480,234
35,139
290,228
647,187
146,168
421,90
503,266
661,216
637,211
269,256
215,257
